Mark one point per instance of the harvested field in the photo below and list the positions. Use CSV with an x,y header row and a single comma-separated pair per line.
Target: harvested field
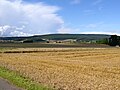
x,y
67,68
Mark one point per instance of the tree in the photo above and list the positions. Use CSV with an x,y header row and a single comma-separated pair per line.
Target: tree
x,y
119,40
103,41
113,40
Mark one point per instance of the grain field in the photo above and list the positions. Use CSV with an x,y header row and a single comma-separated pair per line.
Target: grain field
x,y
67,69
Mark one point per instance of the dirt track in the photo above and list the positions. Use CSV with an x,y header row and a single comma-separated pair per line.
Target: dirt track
x,y
5,85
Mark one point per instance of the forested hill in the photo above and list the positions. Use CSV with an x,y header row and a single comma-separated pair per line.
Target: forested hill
x,y
59,37
74,36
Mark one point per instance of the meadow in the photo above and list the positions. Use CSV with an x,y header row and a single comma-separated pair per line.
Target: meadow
x,y
66,68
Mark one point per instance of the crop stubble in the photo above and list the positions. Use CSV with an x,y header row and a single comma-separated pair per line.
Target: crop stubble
x,y
68,69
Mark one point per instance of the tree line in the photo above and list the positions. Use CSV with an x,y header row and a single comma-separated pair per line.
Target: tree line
x,y
114,40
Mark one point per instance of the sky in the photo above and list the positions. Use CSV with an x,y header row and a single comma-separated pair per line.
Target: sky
x,y
37,17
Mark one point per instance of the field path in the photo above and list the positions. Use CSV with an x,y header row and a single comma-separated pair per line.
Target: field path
x,y
5,85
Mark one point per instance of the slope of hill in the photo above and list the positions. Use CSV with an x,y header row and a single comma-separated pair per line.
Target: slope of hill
x,y
41,38
73,36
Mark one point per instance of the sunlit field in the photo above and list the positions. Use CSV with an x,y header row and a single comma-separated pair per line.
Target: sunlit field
x,y
67,68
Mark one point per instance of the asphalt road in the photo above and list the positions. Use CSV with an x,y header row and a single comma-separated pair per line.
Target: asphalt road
x,y
5,85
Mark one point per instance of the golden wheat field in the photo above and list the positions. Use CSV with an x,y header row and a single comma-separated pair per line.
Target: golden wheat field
x,y
67,68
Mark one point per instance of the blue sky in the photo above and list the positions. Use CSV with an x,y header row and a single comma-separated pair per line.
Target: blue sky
x,y
60,16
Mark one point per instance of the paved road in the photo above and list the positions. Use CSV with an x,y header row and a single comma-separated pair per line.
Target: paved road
x,y
5,85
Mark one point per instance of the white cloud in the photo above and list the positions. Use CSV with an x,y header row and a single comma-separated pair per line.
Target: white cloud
x,y
91,26
18,18
75,1
12,31
109,33
68,30
94,25
97,2
89,12
99,28
100,8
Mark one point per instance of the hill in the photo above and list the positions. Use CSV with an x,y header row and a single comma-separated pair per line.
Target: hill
x,y
56,37
73,36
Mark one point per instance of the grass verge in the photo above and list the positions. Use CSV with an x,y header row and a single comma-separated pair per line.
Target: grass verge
x,y
20,81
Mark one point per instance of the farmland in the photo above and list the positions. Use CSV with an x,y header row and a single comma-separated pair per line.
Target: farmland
x,y
66,68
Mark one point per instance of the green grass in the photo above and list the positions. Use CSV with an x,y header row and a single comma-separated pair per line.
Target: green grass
x,y
20,81
2,49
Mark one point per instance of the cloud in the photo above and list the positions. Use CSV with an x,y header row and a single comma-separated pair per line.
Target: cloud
x,y
19,18
89,12
96,2
109,33
94,25
100,8
99,28
75,1
91,26
68,30
12,31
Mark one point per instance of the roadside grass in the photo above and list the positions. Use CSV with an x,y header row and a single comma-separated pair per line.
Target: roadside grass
x,y
4,49
20,81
